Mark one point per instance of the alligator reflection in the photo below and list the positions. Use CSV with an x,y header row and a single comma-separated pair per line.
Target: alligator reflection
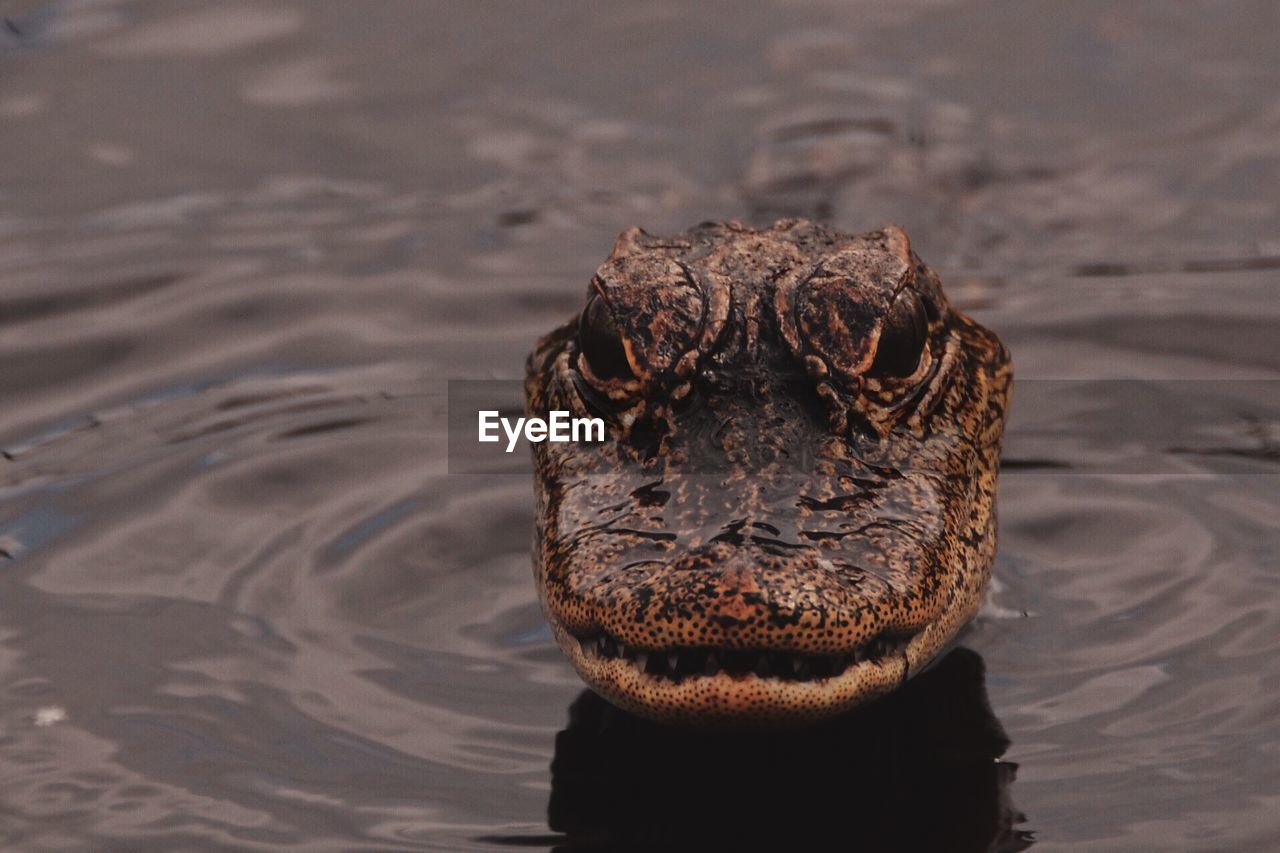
x,y
914,771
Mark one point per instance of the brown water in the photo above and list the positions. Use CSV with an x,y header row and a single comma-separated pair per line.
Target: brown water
x,y
244,246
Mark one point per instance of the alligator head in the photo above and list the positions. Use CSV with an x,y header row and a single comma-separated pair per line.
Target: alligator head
x,y
794,507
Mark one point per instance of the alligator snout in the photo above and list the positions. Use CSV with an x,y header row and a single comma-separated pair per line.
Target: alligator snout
x,y
741,597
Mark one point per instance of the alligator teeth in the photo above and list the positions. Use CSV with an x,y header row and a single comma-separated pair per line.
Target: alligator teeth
x,y
677,664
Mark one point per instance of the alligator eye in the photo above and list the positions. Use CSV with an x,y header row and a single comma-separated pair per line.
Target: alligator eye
x,y
902,338
601,342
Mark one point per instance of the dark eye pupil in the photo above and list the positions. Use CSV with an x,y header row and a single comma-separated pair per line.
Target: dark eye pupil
x,y
601,343
902,339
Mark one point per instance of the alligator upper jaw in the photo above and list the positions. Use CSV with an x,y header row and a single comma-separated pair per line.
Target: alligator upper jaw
x,y
741,688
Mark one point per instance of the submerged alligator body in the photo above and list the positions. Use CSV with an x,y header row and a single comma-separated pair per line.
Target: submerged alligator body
x,y
794,508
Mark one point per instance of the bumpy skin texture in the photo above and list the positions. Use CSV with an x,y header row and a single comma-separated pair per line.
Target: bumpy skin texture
x,y
794,508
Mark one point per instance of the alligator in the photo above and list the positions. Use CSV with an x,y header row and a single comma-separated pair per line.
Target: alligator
x,y
793,510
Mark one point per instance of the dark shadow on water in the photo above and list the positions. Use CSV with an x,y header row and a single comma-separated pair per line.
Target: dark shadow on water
x,y
917,770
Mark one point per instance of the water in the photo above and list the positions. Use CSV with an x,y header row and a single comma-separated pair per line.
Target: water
x,y
243,247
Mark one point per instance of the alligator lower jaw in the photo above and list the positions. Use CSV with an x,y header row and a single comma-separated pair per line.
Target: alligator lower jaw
x,y
737,688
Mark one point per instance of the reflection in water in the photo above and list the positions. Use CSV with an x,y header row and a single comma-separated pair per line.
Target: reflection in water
x,y
917,770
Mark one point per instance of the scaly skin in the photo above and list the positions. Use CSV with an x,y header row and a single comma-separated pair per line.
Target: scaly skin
x,y
794,508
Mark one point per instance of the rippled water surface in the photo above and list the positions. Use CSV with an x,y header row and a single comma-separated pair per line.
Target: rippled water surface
x,y
244,605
